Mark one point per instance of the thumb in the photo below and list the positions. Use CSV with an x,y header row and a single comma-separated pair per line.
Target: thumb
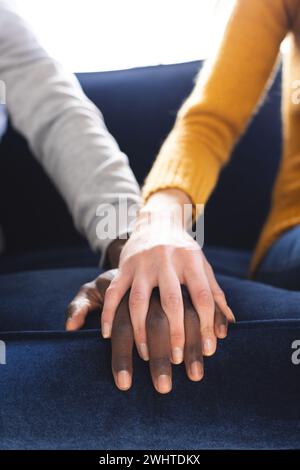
x,y
87,300
77,313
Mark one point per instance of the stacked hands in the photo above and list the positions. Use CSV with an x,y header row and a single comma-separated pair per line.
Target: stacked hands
x,y
164,298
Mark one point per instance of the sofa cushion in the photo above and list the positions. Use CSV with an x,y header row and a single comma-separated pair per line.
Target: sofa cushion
x,y
57,392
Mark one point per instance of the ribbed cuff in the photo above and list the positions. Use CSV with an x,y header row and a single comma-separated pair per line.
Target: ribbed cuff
x,y
192,170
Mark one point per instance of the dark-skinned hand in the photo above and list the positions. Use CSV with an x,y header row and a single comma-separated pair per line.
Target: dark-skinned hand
x,y
90,298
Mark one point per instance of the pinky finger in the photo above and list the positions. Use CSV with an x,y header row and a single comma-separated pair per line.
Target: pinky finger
x,y
221,324
218,294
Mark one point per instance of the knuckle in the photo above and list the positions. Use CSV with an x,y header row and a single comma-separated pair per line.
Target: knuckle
x,y
78,303
110,292
190,254
204,297
148,254
177,336
88,285
136,298
171,300
207,330
162,250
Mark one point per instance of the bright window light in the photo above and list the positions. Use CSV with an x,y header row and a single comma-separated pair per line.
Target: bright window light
x,y
93,35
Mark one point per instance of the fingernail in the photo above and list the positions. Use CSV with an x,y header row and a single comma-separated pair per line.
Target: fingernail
x,y
106,330
177,355
123,379
231,314
144,351
164,383
222,330
196,370
208,346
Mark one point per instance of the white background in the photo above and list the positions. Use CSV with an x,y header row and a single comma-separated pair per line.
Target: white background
x,y
91,35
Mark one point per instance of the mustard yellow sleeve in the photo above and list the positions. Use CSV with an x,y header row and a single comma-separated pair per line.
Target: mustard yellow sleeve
x,y
226,94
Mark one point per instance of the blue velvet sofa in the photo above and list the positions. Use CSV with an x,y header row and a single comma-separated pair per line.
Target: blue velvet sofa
x,y
56,389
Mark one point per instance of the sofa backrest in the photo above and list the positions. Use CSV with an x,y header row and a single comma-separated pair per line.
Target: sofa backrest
x,y
139,107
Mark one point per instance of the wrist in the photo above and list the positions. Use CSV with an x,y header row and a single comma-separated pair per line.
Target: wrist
x,y
171,205
114,251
